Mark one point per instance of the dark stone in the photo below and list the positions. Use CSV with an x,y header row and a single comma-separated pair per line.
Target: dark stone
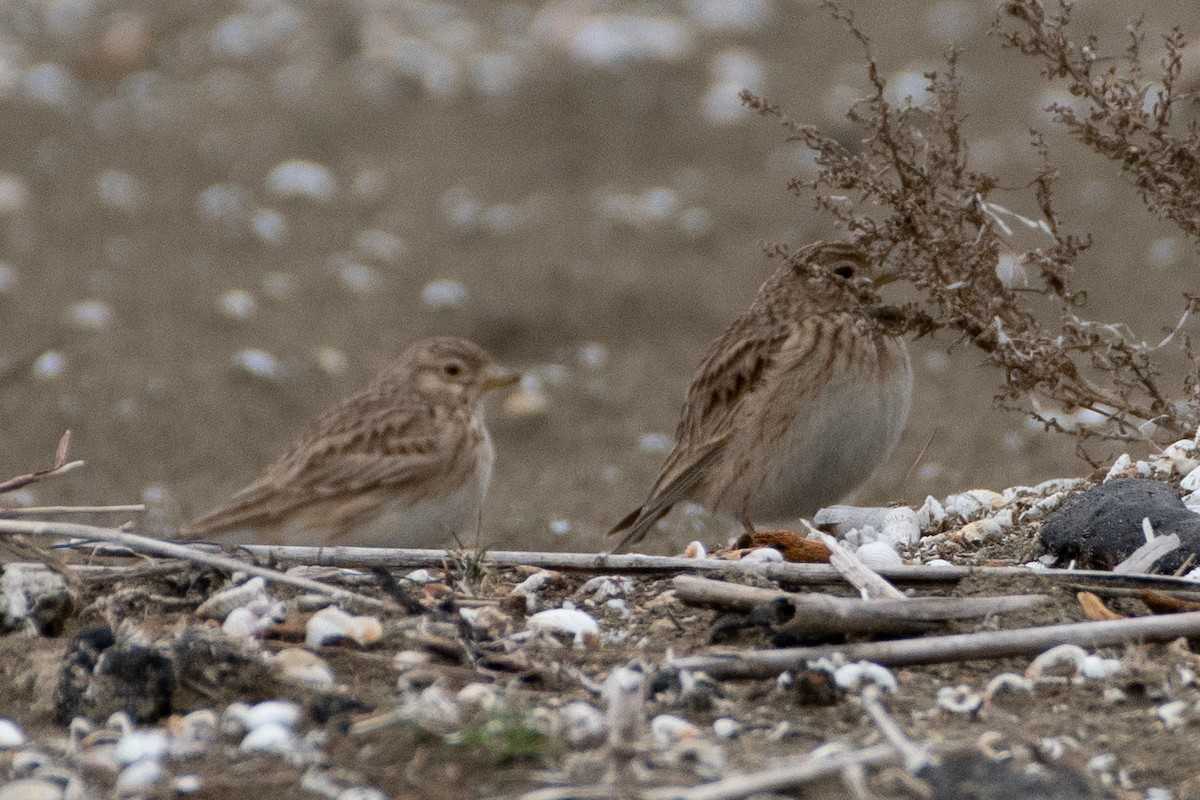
x,y
75,673
973,776
133,678
1103,526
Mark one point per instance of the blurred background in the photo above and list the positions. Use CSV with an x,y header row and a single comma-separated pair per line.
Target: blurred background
x,y
217,218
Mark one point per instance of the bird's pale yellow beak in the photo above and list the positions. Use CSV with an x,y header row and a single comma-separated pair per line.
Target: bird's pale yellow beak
x,y
497,377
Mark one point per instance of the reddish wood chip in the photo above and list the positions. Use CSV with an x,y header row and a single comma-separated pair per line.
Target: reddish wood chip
x,y
794,547
1161,603
1094,607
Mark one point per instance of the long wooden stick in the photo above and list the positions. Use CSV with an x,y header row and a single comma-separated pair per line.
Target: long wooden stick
x,y
144,544
790,574
796,574
779,777
825,613
957,647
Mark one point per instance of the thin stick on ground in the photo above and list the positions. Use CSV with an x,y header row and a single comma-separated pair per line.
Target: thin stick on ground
x,y
957,647
778,777
45,511
143,544
824,613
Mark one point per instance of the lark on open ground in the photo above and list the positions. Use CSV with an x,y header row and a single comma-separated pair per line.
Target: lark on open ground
x,y
793,406
406,462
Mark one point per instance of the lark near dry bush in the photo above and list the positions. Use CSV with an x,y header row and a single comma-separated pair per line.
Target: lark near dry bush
x,y
793,406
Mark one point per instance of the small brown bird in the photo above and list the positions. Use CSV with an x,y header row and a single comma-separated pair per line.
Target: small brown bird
x,y
793,406
405,462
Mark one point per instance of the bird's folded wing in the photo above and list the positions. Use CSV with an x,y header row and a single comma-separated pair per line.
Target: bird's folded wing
x,y
334,461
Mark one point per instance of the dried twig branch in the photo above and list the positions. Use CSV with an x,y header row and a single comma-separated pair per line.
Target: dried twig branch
x,y
778,777
144,544
957,647
61,467
823,613
36,511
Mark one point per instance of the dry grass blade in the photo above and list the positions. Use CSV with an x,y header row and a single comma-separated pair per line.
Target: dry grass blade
x,y
61,467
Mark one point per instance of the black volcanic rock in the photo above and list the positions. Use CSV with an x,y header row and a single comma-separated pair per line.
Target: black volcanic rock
x,y
1102,526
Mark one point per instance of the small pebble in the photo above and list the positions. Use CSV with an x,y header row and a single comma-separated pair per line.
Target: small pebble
x,y
444,295
269,738
11,735
258,363
89,315
301,179
237,304
49,365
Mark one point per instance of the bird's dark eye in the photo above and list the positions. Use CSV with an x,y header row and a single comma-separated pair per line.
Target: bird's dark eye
x,y
453,368
844,271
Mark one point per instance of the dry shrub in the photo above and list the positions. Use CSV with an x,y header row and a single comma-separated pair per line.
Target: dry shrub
x,y
910,196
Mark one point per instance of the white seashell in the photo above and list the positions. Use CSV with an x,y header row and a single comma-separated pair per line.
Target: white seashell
x,y
302,667
479,695
578,624
1191,481
931,512
968,504
980,531
959,699
1043,507
1097,669
49,365
434,709
141,744
619,605
380,245
726,728
270,712
938,562
332,624
582,724
604,587
1119,467
765,555
361,793
221,603
1069,654
668,729
852,676
270,227
655,443
879,555
258,363
1172,714
444,295
526,403
237,304
301,179
89,315
695,550
845,518
187,784
900,526
421,577
269,738
138,777
251,620
1006,682
11,735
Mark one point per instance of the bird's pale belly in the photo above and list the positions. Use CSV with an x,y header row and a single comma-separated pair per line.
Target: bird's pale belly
x,y
819,460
